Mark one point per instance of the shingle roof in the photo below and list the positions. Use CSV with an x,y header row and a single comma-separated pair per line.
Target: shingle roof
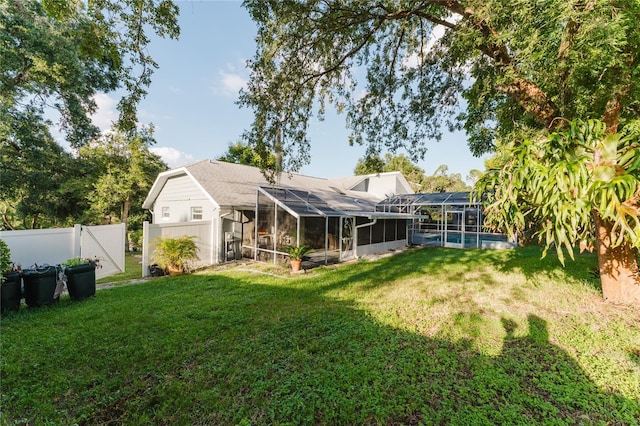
x,y
234,186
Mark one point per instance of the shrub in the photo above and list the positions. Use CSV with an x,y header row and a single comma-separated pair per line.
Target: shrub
x,y
76,261
175,254
5,257
135,239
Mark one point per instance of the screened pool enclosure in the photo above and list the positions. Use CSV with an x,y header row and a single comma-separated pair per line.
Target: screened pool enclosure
x,y
339,227
447,219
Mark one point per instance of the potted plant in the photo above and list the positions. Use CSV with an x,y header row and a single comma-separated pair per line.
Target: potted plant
x,y
175,254
297,254
81,277
10,281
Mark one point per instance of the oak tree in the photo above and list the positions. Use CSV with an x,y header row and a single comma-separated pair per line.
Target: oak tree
x,y
399,69
124,169
56,55
242,153
37,178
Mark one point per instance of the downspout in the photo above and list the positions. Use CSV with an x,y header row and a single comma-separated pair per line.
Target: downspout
x,y
363,225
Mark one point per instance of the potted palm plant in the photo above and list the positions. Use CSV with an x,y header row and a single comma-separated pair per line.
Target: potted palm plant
x,y
10,281
175,255
81,277
296,254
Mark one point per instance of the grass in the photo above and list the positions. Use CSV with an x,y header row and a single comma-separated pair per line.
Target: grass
x,y
132,270
431,336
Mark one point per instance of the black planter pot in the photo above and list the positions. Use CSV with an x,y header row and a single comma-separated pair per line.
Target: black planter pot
x,y
11,292
40,286
81,281
156,271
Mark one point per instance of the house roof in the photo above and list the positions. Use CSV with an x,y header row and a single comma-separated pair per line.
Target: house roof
x,y
232,185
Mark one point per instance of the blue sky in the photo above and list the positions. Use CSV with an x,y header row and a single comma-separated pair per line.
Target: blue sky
x,y
191,100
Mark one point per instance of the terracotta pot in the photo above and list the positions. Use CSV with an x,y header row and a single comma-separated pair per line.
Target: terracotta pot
x,y
295,265
175,271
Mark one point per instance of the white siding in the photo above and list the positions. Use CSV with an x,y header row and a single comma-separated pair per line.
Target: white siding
x,y
380,247
206,234
179,194
383,186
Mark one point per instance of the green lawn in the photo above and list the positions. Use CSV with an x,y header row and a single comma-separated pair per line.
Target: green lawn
x,y
132,270
431,336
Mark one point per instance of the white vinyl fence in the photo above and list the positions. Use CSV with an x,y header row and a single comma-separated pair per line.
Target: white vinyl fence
x,y
203,231
54,246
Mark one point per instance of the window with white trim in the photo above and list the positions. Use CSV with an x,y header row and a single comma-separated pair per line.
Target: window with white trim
x,y
165,213
196,213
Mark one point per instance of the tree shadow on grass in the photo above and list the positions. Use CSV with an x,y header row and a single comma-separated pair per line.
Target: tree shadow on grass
x,y
452,265
448,264
529,261
223,351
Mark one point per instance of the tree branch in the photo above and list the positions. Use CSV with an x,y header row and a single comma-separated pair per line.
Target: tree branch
x,y
346,56
395,55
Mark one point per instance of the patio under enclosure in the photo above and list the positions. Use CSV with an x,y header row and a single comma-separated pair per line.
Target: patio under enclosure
x,y
337,227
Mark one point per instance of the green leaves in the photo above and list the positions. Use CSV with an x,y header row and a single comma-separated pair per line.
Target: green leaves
x,y
123,171
59,54
553,185
399,70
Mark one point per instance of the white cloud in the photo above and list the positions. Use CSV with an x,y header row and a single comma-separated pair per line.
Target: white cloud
x,y
412,61
106,113
173,157
231,83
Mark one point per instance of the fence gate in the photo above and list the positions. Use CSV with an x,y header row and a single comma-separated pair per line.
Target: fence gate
x,y
106,242
56,245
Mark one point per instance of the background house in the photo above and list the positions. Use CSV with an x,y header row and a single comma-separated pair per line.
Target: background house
x,y
234,212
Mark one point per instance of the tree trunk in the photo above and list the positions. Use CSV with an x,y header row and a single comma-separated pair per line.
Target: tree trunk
x,y
619,272
618,266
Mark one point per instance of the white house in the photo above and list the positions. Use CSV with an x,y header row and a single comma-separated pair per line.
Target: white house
x,y
235,212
